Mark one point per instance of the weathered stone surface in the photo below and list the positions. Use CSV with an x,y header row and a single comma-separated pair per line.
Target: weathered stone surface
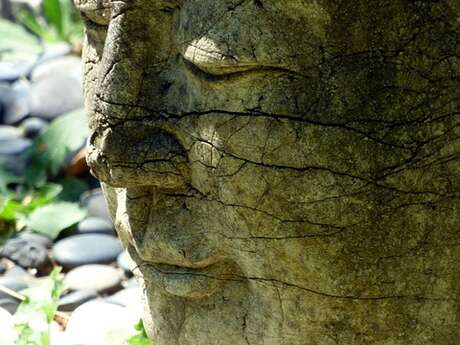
x,y
283,172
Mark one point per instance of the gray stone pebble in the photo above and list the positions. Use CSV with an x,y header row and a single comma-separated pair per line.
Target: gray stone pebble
x,y
12,154
12,283
101,278
96,205
95,225
43,240
27,251
56,87
126,263
102,323
129,297
18,272
15,101
131,282
10,72
8,133
54,51
33,126
86,249
74,299
10,304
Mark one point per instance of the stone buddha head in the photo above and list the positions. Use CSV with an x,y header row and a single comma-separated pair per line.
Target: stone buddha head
x,y
282,172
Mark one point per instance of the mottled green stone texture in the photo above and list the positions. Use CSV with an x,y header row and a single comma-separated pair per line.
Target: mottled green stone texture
x,y
283,172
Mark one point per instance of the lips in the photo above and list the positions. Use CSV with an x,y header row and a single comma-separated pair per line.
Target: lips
x,y
182,281
167,237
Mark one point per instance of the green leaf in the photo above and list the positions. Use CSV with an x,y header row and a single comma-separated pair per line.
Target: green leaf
x,y
30,21
67,133
44,195
140,338
53,218
66,19
16,43
34,315
6,178
53,14
72,188
36,171
10,209
72,24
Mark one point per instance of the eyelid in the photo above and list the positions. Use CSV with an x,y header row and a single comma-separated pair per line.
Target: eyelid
x,y
207,56
221,70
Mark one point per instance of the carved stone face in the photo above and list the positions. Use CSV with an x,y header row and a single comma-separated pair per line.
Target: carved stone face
x,y
282,172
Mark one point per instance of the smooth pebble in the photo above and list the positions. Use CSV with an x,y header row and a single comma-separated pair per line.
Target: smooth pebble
x,y
95,202
100,323
7,334
101,278
95,225
80,250
74,299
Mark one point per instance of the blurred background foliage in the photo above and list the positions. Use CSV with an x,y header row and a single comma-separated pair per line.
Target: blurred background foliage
x,y
56,21
44,178
41,198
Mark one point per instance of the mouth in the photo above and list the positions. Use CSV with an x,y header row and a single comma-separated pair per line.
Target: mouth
x,y
198,281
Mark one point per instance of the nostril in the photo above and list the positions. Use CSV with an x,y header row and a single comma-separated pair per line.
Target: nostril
x,y
125,156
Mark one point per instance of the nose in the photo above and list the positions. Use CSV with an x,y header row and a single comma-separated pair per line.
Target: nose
x,y
136,154
128,146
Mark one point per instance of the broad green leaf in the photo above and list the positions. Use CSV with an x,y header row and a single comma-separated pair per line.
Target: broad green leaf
x,y
53,218
67,133
6,178
36,171
73,188
17,43
53,14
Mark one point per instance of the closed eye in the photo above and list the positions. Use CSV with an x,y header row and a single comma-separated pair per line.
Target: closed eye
x,y
205,55
207,60
219,73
